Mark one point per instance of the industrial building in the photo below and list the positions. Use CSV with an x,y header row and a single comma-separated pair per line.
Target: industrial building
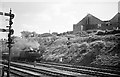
x,y
90,22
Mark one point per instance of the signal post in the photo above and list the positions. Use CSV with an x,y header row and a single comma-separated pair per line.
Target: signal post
x,y
11,32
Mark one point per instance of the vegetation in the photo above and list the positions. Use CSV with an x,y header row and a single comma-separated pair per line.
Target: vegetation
x,y
81,49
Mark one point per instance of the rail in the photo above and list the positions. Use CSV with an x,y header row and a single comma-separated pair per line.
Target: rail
x,y
76,69
83,69
43,71
21,72
67,66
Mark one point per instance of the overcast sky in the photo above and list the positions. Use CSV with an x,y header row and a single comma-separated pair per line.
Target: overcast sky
x,y
59,16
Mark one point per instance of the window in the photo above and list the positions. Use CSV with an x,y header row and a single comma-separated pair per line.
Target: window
x,y
81,27
107,23
99,25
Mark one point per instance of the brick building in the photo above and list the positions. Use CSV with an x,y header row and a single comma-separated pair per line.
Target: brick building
x,y
91,22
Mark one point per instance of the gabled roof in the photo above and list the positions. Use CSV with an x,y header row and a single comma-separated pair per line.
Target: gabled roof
x,y
116,18
90,19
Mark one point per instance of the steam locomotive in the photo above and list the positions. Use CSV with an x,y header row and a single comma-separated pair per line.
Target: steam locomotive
x,y
29,56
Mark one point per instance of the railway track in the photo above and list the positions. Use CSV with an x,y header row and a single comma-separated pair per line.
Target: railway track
x,y
82,69
43,71
21,72
71,68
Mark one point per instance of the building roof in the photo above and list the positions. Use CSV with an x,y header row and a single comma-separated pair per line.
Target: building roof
x,y
90,19
116,18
